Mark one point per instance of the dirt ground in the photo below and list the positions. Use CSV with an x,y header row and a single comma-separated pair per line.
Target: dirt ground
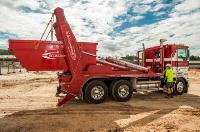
x,y
27,103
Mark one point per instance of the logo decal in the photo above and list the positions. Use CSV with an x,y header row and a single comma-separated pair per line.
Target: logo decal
x,y
52,55
71,47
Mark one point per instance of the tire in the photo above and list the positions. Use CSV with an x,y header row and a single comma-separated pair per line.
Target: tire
x,y
120,95
110,88
96,92
180,86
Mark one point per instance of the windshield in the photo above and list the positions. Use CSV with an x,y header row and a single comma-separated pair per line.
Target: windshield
x,y
183,54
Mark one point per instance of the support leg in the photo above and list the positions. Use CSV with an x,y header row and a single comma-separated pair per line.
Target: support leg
x,y
62,101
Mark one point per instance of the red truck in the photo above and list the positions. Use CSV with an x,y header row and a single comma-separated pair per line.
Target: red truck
x,y
91,79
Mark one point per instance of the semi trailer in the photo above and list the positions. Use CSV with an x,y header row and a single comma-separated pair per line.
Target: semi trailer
x,y
93,79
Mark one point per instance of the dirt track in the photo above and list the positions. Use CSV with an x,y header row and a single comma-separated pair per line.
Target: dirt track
x,y
32,95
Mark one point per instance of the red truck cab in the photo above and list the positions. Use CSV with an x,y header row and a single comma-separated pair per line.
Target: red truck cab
x,y
177,55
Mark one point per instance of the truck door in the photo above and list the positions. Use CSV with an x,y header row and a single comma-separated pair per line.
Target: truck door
x,y
182,62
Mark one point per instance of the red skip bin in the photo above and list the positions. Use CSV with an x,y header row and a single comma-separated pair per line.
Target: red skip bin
x,y
35,55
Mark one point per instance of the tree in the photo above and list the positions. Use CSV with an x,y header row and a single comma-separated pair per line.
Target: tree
x,y
194,58
4,52
129,58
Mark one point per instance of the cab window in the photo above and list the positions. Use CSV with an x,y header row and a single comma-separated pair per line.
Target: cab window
x,y
157,54
183,54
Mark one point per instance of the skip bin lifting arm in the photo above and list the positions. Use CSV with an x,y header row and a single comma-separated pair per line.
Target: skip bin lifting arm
x,y
71,46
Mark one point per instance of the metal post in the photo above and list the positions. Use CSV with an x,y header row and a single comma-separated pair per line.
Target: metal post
x,y
20,68
13,65
143,56
0,68
162,54
8,68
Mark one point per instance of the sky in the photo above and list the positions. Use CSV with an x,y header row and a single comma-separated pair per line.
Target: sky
x,y
119,26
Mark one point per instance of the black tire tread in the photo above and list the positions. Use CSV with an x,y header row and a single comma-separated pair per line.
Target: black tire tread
x,y
114,90
180,80
87,95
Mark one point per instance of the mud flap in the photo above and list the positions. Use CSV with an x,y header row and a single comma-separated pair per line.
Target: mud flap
x,y
67,98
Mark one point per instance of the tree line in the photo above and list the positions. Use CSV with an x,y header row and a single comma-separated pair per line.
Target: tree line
x,y
130,58
5,52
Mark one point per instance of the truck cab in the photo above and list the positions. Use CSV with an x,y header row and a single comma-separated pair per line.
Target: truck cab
x,y
156,58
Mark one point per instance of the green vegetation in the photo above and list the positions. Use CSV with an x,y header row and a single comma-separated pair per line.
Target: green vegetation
x,y
4,52
194,58
129,58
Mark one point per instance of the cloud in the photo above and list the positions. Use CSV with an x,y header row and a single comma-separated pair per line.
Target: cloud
x,y
187,6
135,18
32,4
179,27
157,7
139,21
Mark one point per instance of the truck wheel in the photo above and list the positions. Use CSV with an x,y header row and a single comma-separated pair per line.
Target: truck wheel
x,y
122,90
96,91
180,86
110,88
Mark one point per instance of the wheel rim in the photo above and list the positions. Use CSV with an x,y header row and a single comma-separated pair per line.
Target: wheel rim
x,y
180,87
123,91
97,92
